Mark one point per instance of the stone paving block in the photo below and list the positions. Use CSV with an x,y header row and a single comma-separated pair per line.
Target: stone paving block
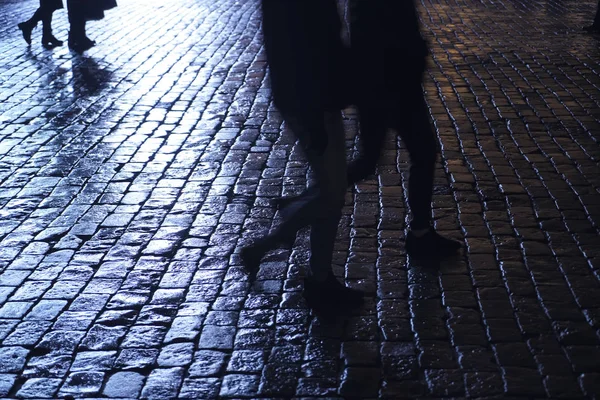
x,y
200,388
39,388
124,385
87,383
162,383
6,383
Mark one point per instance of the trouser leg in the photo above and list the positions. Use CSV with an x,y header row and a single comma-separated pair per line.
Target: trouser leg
x,y
372,135
419,138
323,210
76,19
36,17
47,24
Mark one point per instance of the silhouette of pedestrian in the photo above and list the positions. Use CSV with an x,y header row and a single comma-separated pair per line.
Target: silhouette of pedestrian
x,y
81,11
389,59
306,57
44,14
595,27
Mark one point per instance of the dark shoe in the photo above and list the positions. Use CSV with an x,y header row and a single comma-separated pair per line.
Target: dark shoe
x,y
88,42
26,29
251,257
49,41
331,297
431,244
592,29
282,202
80,44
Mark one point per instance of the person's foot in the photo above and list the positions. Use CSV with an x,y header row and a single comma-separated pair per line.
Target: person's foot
x,y
26,29
88,42
331,297
282,202
80,44
251,257
49,41
592,29
430,244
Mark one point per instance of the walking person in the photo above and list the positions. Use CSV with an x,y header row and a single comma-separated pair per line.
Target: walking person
x,y
306,58
389,60
595,27
44,14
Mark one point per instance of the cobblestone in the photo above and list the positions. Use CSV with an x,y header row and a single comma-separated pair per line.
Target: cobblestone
x,y
131,175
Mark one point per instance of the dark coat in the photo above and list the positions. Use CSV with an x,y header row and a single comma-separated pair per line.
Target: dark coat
x,y
305,54
51,5
89,10
95,8
388,51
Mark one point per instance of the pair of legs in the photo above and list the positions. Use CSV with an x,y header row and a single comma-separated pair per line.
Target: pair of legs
x,y
44,14
78,39
409,117
322,137
411,122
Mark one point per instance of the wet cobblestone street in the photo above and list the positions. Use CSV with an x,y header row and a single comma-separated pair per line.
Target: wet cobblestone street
x,y
131,175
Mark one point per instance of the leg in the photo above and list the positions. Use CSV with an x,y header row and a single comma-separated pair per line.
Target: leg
x,y
421,144
27,26
48,39
78,40
372,135
321,209
325,201
419,138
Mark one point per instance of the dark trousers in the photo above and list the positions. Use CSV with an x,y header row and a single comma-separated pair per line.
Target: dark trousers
x,y
410,119
76,10
321,209
44,14
597,17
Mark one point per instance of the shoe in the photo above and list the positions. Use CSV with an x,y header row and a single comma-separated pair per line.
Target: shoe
x,y
592,29
26,29
49,41
282,202
251,258
431,244
88,42
331,297
80,44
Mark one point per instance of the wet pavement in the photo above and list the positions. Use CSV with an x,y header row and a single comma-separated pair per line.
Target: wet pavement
x,y
131,175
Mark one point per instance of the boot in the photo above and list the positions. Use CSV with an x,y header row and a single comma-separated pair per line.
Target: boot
x,y
331,297
26,28
430,245
80,43
49,41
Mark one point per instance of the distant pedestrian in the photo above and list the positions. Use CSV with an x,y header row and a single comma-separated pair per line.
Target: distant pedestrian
x,y
81,11
306,60
389,59
595,27
44,14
